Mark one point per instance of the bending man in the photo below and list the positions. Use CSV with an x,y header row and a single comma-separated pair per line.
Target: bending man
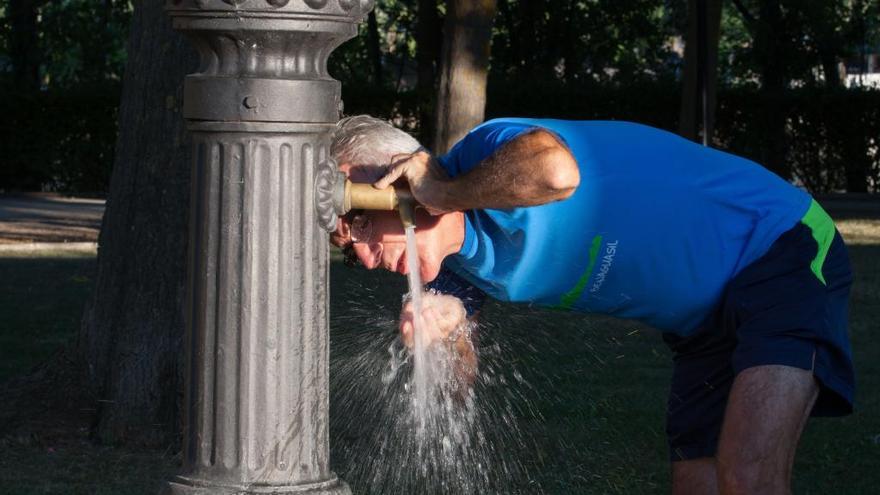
x,y
743,273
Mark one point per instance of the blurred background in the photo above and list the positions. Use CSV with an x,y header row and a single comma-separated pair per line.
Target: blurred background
x,y
91,291
793,84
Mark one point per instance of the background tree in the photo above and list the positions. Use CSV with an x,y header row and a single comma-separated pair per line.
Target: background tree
x,y
580,41
700,85
131,334
428,41
375,53
779,103
23,42
770,49
461,97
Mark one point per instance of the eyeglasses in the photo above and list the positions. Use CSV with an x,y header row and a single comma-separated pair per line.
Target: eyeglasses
x,y
360,229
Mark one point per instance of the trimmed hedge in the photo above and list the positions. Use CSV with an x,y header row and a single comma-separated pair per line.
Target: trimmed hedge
x,y
64,141
831,137
831,140
58,140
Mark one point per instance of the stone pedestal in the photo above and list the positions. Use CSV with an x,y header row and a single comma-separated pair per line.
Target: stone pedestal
x,y
259,110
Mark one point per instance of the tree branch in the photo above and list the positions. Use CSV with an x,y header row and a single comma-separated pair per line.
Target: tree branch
x,y
748,16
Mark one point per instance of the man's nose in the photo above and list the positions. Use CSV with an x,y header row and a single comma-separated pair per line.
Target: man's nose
x,y
369,254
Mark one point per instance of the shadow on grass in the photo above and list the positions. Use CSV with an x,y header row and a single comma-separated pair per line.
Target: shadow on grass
x,y
41,303
592,394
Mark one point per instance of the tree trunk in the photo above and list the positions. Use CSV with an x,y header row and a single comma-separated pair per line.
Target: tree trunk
x,y
570,44
461,97
699,90
132,329
530,14
428,34
373,47
24,43
830,68
769,45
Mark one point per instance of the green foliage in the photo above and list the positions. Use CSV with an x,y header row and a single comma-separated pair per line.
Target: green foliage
x,y
831,135
349,63
84,40
566,58
596,40
397,21
807,31
59,140
80,41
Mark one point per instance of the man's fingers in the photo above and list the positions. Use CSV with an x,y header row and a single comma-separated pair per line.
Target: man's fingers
x,y
406,333
439,316
395,172
431,324
434,212
400,158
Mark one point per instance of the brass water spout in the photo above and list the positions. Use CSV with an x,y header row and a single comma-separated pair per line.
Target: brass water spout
x,y
407,209
350,196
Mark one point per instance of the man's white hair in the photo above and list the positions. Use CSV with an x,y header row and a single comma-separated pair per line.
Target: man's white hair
x,y
366,140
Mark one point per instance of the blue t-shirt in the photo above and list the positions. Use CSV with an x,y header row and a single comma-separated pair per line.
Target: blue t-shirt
x,y
654,232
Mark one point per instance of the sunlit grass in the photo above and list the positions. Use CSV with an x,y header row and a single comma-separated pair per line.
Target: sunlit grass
x,y
593,408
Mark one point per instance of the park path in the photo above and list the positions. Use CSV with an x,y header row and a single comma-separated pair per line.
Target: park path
x,y
39,218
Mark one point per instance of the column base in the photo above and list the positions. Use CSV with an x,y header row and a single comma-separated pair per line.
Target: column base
x,y
182,485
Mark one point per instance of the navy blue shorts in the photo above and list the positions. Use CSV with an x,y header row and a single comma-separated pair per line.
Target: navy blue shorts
x,y
776,311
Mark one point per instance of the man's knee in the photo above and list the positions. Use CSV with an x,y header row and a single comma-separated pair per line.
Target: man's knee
x,y
766,412
694,477
750,475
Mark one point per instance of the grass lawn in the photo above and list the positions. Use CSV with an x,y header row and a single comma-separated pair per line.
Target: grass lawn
x,y
41,301
589,405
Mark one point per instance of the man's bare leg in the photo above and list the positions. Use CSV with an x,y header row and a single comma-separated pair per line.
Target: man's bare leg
x,y
695,477
766,412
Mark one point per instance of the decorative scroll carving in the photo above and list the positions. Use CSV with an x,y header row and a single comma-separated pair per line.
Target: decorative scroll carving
x,y
327,179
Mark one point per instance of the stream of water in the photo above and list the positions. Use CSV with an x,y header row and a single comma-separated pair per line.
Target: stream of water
x,y
420,383
415,430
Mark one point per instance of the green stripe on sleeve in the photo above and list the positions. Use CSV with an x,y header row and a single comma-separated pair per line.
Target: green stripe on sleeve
x,y
822,228
570,297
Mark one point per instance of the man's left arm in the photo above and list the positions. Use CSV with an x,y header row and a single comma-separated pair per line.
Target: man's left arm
x,y
534,168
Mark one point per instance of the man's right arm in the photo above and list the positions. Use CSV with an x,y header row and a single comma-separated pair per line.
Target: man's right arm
x,y
533,168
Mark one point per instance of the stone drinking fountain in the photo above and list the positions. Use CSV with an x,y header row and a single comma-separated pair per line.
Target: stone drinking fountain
x,y
259,110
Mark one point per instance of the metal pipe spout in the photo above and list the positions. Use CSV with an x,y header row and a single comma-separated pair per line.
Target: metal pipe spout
x,y
349,196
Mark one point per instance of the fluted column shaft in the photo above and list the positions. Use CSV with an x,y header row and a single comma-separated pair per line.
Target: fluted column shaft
x,y
259,110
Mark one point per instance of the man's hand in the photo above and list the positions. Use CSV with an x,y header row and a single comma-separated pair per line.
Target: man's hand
x,y
441,317
426,179
444,320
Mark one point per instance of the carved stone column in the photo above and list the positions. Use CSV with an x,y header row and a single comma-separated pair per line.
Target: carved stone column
x,y
259,109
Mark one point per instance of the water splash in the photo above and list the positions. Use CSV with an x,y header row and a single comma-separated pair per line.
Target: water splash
x,y
407,424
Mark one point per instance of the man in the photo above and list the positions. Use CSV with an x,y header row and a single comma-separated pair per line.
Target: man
x,y
744,273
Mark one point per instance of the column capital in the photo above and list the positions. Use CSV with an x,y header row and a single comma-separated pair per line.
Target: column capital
x,y
264,60
356,10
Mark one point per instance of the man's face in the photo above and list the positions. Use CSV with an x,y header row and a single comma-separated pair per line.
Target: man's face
x,y
378,240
